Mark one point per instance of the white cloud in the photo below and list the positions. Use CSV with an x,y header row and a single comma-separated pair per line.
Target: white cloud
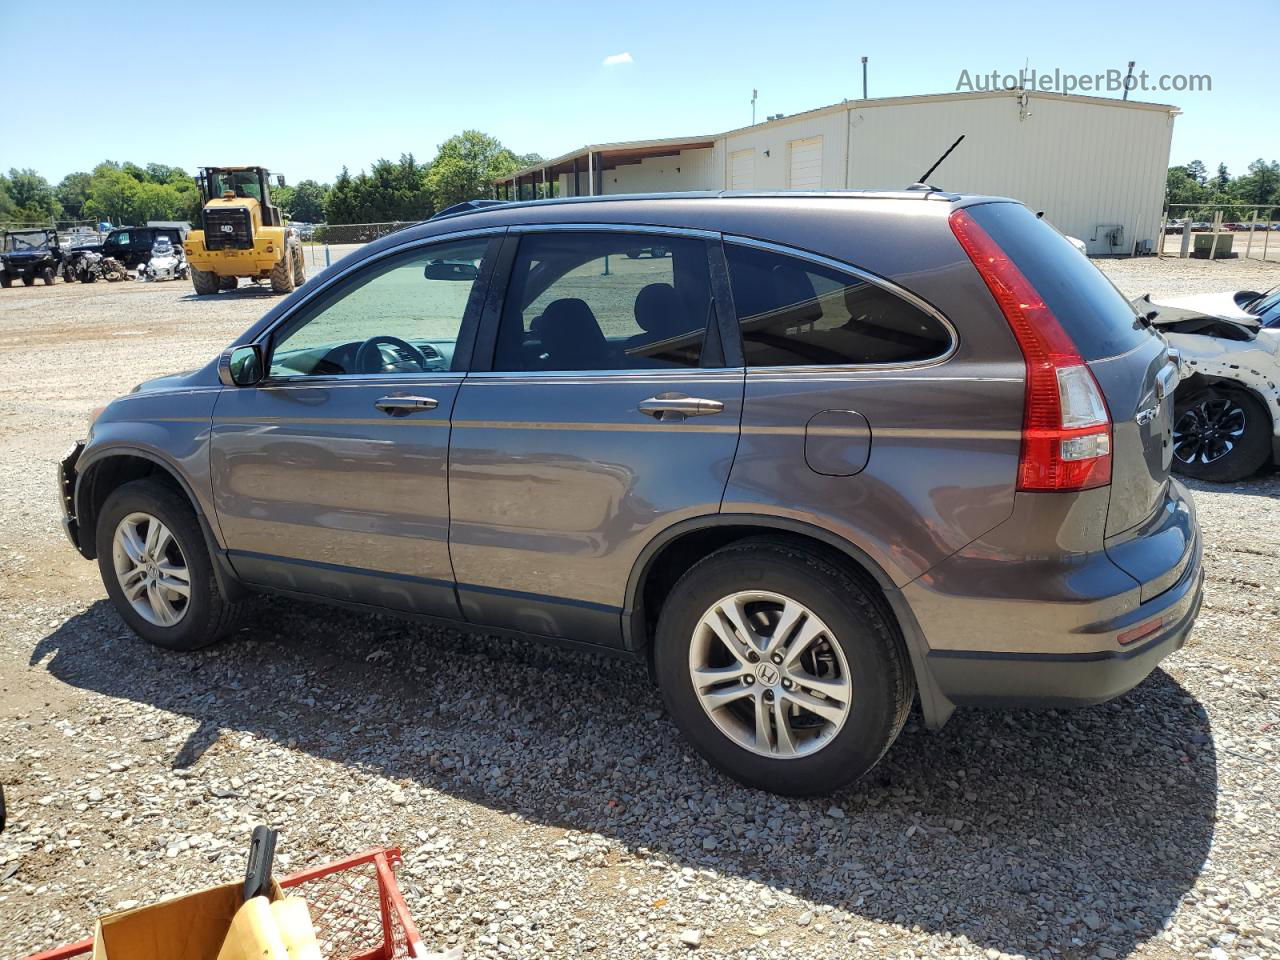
x,y
617,58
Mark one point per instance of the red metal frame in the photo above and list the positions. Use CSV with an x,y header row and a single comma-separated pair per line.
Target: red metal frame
x,y
391,904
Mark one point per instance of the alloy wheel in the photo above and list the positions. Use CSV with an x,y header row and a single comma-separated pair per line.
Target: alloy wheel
x,y
1209,430
770,674
151,569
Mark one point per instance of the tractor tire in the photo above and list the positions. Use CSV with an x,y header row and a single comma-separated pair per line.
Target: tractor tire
x,y
282,274
29,281
228,283
48,276
299,268
206,282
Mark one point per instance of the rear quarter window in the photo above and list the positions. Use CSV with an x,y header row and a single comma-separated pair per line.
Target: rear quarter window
x,y
795,312
1096,316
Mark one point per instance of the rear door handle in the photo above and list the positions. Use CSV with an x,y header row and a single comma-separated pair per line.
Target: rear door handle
x,y
679,407
403,406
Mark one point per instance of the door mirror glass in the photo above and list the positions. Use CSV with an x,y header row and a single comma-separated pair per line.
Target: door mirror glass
x,y
240,366
451,270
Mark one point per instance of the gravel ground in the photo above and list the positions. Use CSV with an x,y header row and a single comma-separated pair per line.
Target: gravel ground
x,y
545,804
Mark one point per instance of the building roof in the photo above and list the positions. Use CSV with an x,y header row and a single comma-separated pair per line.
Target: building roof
x,y
633,151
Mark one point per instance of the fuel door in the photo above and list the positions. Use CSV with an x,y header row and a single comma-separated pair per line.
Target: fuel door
x,y
837,443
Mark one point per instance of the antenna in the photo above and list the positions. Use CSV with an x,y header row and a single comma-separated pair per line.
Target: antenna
x,y
927,173
1127,80
864,78
754,94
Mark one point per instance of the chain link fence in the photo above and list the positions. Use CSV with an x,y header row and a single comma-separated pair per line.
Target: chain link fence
x,y
324,244
1225,231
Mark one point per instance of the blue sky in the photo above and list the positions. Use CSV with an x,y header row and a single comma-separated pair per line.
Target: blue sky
x,y
306,88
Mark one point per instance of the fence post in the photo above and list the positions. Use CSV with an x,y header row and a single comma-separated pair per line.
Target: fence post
x,y
1253,223
1184,250
326,255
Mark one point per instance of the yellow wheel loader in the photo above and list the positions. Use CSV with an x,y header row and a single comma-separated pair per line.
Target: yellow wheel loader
x,y
243,235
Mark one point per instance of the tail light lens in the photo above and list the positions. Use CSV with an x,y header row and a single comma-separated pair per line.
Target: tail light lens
x,y
1066,428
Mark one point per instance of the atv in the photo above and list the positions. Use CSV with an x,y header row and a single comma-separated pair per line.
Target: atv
x,y
28,255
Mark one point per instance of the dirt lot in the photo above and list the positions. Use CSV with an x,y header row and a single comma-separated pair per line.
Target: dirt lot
x,y
545,804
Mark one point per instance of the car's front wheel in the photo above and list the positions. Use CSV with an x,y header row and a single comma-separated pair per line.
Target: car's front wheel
x,y
782,668
1221,435
157,570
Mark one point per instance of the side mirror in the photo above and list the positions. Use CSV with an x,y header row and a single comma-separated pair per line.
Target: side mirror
x,y
450,270
279,179
240,366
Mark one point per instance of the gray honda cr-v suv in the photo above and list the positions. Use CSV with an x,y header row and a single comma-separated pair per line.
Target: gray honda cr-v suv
x,y
807,455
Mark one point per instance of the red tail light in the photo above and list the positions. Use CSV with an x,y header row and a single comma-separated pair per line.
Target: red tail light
x,y
1066,428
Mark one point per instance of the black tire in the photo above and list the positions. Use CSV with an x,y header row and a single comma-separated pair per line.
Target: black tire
x,y
28,281
208,615
48,276
299,268
879,669
228,283
88,276
205,282
1207,420
6,281
282,274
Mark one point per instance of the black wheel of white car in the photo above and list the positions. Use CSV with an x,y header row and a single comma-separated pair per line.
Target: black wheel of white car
x,y
781,668
157,570
1221,435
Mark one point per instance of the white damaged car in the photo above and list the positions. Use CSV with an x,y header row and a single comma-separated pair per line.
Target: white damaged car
x,y
1227,406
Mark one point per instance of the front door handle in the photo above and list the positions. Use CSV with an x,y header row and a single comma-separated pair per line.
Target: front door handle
x,y
403,406
671,406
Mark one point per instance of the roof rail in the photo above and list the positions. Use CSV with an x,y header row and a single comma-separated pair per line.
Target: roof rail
x,y
466,206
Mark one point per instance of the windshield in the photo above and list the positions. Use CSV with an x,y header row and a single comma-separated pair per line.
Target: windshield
x,y
1266,303
17,242
162,247
243,183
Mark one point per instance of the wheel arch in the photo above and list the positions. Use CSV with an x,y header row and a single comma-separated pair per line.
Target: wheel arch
x,y
110,469
679,546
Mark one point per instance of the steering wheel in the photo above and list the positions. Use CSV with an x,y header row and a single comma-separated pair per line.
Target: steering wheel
x,y
369,358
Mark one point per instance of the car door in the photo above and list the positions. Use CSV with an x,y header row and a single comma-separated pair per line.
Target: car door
x,y
605,414
330,475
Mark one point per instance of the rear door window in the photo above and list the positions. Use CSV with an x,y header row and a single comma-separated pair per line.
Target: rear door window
x,y
794,312
1097,317
605,301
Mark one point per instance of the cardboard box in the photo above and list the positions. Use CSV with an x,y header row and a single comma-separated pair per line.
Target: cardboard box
x,y
189,927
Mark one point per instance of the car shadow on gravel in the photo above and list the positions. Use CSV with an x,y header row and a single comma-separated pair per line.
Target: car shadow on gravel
x,y
1018,831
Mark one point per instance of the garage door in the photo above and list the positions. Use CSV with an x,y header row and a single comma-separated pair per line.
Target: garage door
x,y
742,170
806,164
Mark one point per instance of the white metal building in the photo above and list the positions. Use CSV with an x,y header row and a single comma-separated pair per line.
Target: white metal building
x,y
1095,166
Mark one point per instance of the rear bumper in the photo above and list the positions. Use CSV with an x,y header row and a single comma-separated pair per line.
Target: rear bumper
x,y
1013,622
975,678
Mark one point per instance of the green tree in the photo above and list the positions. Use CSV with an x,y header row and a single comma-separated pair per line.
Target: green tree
x,y
32,196
1182,187
466,167
72,193
1222,179
1198,172
308,202
1260,185
111,197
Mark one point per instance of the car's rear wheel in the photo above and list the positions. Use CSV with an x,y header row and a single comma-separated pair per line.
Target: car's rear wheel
x,y
1221,435
157,570
782,668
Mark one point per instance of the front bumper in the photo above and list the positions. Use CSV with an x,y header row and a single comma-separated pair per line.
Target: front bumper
x,y
67,493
